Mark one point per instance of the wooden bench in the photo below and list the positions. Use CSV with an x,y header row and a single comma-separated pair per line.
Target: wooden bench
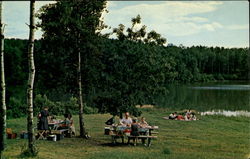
x,y
115,136
120,134
143,137
61,133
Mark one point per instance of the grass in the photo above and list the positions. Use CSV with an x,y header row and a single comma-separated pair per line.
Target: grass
x,y
212,137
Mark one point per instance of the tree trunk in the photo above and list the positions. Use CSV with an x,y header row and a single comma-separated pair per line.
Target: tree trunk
x,y
31,79
3,104
80,100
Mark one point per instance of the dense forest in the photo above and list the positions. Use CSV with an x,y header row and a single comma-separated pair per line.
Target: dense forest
x,y
116,73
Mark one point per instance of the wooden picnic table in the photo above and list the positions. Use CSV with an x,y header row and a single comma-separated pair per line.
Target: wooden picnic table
x,y
54,124
53,130
122,132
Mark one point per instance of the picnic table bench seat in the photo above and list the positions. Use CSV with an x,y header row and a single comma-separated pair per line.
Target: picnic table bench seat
x,y
152,137
143,137
59,131
120,133
43,134
114,136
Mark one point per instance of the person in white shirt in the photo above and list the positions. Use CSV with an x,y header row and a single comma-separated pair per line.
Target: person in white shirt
x,y
126,121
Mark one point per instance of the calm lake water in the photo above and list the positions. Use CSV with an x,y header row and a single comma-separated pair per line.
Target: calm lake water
x,y
230,96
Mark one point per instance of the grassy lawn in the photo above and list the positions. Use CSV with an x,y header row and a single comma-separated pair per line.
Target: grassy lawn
x,y
212,137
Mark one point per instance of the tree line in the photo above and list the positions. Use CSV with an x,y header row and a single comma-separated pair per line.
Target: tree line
x,y
118,68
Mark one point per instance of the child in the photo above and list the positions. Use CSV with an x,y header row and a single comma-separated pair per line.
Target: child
x,y
134,130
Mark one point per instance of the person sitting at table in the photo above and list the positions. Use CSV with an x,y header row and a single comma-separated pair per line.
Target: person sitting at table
x,y
126,121
71,125
64,124
134,130
67,124
143,123
51,119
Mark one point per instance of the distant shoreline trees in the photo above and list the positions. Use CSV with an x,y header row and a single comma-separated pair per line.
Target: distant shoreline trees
x,y
184,64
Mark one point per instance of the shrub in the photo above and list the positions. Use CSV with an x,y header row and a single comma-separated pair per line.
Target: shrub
x,y
71,106
16,108
90,110
219,77
39,102
60,108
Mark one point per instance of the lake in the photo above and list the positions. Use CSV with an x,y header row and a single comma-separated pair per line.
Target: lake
x,y
229,95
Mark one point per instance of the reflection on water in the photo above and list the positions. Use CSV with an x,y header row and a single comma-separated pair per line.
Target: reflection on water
x,y
231,95
227,113
225,87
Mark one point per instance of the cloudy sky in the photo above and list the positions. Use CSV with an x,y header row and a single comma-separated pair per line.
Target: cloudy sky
x,y
209,23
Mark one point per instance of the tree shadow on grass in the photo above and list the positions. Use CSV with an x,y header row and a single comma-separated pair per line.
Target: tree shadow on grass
x,y
114,144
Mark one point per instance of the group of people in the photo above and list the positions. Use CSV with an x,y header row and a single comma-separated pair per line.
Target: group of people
x,y
129,122
134,125
189,115
44,118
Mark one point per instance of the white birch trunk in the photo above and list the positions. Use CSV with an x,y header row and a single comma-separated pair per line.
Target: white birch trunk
x,y
31,78
3,104
80,100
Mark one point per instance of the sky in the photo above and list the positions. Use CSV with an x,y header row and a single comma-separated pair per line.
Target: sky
x,y
206,23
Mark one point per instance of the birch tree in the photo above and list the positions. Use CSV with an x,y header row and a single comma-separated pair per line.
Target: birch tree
x,y
3,104
30,130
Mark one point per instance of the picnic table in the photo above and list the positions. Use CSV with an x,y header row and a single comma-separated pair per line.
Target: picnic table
x,y
54,124
121,132
54,129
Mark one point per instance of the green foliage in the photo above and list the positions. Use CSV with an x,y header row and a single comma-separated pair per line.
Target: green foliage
x,y
117,74
89,110
55,108
15,108
139,34
60,107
